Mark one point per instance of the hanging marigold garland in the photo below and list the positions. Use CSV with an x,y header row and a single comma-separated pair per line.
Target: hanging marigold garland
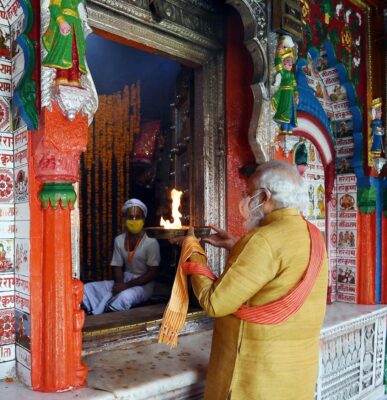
x,y
105,182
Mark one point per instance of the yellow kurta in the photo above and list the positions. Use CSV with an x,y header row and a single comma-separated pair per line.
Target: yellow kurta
x,y
264,362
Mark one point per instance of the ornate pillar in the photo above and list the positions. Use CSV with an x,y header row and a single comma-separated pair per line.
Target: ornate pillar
x,y
366,235
57,148
68,103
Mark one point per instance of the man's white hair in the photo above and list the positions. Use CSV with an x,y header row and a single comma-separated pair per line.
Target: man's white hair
x,y
284,182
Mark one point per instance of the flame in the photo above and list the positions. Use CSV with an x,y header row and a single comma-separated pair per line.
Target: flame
x,y
176,215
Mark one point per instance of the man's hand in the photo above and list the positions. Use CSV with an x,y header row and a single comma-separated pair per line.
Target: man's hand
x,y
64,28
220,239
119,287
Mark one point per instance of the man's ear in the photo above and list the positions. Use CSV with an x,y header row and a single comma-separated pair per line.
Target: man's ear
x,y
267,195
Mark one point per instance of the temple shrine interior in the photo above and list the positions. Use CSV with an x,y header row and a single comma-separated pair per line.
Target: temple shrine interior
x,y
151,98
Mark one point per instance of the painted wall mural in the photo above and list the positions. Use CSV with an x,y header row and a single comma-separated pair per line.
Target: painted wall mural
x,y
17,107
334,81
344,25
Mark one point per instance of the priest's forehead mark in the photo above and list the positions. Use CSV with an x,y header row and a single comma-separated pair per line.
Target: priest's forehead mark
x,y
134,212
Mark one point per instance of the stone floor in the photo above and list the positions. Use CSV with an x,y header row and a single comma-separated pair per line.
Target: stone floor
x,y
154,372
17,391
125,373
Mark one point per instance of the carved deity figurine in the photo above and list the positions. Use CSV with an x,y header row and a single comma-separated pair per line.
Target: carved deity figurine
x,y
65,42
377,148
285,99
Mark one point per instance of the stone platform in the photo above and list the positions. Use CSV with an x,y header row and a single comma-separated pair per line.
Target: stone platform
x,y
352,343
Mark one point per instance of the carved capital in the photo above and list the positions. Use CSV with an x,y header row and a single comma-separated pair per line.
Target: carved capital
x,y
58,146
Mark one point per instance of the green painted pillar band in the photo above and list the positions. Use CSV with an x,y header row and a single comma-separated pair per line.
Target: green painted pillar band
x,y
55,192
366,200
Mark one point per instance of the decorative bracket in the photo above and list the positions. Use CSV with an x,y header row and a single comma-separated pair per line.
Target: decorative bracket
x,y
71,100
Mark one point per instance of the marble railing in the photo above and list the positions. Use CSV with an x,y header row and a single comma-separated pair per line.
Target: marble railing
x,y
353,343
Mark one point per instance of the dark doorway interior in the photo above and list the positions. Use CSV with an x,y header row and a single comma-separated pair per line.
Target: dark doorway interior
x,y
139,146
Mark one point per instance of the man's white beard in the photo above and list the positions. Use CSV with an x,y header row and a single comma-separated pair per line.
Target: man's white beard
x,y
254,219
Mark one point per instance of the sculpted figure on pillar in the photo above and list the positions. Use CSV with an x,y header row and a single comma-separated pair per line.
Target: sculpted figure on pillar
x,y
285,98
65,43
65,75
68,95
378,149
377,129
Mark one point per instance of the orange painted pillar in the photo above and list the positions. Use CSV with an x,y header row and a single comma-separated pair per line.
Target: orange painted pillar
x,y
366,259
58,319
57,328
63,320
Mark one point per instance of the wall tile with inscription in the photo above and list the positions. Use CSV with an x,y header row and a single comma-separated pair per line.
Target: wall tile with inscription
x,y
7,300
7,230
22,229
20,137
6,138
6,159
22,211
23,356
7,352
22,284
22,302
7,282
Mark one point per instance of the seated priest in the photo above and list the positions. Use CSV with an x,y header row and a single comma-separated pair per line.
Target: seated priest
x,y
135,262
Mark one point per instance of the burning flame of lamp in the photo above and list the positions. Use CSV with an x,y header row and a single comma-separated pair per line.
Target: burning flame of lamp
x,y
176,215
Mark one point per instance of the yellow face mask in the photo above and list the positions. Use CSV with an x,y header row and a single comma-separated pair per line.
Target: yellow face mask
x,y
134,225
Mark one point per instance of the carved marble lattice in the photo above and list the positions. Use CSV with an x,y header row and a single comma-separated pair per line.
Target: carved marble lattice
x,y
380,349
351,363
341,359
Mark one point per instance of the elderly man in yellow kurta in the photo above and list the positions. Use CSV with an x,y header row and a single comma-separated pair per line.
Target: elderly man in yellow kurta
x,y
270,301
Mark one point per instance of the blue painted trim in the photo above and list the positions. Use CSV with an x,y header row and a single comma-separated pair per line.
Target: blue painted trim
x,y
331,54
28,16
308,101
308,104
29,62
24,96
379,215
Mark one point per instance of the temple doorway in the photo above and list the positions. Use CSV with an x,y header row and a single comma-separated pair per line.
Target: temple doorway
x,y
190,150
140,146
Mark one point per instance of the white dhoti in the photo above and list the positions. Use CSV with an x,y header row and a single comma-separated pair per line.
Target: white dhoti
x,y
98,296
